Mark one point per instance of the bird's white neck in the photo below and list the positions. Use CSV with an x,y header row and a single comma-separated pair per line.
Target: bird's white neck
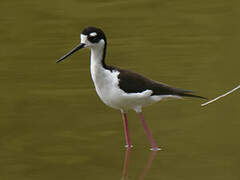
x,y
97,62
97,56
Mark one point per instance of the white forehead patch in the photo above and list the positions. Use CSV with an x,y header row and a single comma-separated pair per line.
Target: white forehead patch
x,y
83,38
93,34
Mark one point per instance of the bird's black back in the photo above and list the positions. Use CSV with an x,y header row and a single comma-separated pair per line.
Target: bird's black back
x,y
131,82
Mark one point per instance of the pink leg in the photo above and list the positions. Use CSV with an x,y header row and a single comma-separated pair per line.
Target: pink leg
x,y
126,131
148,132
126,162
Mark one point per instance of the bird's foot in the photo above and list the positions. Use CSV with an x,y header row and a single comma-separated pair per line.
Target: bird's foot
x,y
155,149
128,146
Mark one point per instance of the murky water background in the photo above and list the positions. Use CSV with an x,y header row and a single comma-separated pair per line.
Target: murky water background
x,y
52,124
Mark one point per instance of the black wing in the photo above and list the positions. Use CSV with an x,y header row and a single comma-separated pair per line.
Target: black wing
x,y
131,82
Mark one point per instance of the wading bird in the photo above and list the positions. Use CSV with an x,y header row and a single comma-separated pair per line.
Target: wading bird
x,y
122,89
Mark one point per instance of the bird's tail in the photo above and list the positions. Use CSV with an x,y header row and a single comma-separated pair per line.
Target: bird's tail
x,y
192,95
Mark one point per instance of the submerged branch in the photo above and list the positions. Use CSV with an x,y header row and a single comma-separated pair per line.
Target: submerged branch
x,y
229,92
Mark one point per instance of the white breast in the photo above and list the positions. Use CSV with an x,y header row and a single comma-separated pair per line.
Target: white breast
x,y
106,85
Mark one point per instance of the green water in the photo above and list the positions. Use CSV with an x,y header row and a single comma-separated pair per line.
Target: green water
x,y
53,125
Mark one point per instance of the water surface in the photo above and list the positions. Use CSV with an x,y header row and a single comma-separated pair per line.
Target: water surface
x,y
53,125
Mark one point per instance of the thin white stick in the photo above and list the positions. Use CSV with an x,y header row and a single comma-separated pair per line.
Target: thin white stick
x,y
229,92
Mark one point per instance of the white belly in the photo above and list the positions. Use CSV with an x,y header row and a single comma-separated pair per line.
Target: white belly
x,y
106,85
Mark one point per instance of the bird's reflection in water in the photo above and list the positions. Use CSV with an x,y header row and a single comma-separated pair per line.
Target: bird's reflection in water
x,y
146,168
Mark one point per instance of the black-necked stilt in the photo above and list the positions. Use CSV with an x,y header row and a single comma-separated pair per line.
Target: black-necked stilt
x,y
122,89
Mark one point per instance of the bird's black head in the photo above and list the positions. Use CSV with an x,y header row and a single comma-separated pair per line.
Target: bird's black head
x,y
91,37
93,34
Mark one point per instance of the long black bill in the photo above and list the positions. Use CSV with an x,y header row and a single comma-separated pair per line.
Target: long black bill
x,y
80,46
